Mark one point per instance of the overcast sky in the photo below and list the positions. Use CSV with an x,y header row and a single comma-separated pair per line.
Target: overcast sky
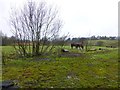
x,y
81,17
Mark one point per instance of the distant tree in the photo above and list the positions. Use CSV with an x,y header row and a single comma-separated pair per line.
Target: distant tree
x,y
98,37
11,40
4,39
75,39
93,38
68,40
112,38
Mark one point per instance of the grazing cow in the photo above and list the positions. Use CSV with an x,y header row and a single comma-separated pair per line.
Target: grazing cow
x,y
77,45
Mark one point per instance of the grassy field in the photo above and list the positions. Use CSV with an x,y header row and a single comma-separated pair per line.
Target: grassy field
x,y
105,42
77,69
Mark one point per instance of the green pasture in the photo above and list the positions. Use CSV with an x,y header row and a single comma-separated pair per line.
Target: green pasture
x,y
93,69
105,42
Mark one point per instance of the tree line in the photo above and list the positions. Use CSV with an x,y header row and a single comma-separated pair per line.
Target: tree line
x,y
77,39
58,41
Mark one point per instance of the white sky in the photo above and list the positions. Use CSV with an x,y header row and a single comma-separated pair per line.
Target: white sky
x,y
81,17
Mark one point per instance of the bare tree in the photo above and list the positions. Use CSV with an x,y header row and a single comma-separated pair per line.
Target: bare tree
x,y
32,25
